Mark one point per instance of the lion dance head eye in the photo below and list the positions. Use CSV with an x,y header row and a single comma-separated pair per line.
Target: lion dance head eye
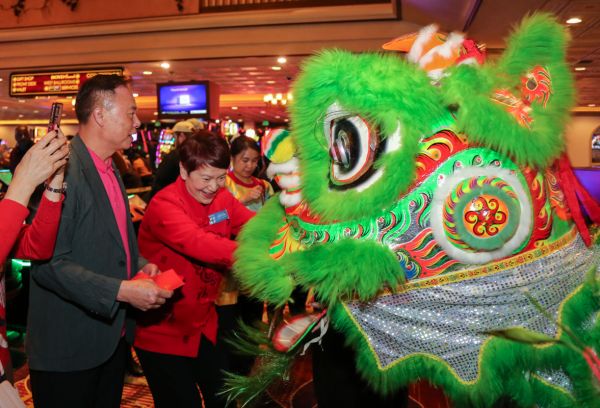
x,y
353,147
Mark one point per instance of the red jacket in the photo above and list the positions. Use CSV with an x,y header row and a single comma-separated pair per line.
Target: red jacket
x,y
35,241
176,234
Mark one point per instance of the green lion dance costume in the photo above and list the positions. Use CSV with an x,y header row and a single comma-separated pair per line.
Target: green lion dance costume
x,y
436,218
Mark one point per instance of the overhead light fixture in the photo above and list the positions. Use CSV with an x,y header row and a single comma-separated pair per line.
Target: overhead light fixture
x,y
165,65
155,113
73,102
234,108
574,20
135,95
591,105
147,72
276,68
277,99
1,79
580,68
20,115
282,60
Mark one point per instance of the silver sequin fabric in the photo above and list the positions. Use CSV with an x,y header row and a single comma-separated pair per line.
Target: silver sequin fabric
x,y
448,321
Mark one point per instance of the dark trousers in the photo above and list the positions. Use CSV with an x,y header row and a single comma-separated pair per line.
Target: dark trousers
x,y
174,380
99,387
337,383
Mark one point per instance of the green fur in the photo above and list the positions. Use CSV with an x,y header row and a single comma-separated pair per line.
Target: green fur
x,y
259,274
379,88
501,361
348,267
539,41
337,270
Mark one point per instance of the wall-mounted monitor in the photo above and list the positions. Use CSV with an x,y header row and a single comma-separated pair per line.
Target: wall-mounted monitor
x,y
182,100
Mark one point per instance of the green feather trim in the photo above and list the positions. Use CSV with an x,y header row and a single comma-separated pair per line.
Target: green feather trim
x,y
386,91
271,368
539,41
503,363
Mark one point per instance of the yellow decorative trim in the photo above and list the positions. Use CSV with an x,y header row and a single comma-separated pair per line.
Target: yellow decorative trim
x,y
489,269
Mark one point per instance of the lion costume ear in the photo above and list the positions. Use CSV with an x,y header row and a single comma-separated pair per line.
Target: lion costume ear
x,y
520,104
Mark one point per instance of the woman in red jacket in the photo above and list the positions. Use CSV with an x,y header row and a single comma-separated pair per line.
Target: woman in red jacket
x,y
188,226
44,161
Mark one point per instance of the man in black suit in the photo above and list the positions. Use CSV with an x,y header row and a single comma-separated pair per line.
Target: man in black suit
x,y
77,327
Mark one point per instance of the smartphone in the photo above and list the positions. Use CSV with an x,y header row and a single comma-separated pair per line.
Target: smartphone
x,y
55,115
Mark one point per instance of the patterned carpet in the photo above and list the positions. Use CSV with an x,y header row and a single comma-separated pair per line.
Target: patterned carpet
x,y
135,393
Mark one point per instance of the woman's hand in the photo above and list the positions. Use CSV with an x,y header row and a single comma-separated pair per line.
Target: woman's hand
x,y
47,158
255,193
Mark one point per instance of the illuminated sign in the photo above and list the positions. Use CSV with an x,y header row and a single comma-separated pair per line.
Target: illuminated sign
x,y
53,83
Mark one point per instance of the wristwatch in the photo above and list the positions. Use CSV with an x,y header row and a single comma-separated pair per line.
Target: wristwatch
x,y
56,190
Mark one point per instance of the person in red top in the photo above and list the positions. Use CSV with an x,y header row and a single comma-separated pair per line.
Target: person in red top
x,y
188,226
44,161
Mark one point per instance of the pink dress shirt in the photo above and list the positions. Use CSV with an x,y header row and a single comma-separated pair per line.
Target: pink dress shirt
x,y
113,190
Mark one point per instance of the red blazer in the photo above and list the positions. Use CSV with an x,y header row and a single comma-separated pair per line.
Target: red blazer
x,y
176,233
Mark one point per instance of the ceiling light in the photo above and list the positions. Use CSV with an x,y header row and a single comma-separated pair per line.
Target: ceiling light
x,y
234,108
147,72
574,20
165,65
5,107
135,95
286,120
36,111
155,113
73,102
591,105
21,100
218,121
240,120
276,68
282,60
1,79
20,115
261,112
580,68
277,117
270,82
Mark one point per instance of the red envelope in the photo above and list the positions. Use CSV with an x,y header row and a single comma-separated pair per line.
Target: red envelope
x,y
168,280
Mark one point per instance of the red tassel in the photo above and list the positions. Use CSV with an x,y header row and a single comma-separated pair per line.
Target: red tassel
x,y
577,195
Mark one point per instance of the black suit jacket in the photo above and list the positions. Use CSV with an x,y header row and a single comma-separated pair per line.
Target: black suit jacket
x,y
74,321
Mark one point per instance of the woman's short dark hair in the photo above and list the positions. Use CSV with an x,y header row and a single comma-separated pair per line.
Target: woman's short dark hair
x,y
204,148
242,143
95,91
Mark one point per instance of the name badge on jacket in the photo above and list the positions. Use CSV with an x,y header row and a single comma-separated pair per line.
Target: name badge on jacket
x,y
218,217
